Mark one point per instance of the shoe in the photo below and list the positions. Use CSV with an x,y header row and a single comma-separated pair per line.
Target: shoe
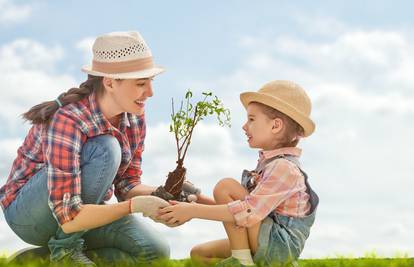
x,y
231,262
75,258
30,253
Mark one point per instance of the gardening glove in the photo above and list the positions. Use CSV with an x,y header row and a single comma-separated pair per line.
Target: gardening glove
x,y
189,191
148,205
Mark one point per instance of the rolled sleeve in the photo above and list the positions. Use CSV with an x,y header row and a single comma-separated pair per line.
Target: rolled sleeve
x,y
132,175
277,184
63,145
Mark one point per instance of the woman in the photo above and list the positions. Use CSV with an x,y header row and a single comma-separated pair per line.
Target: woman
x,y
82,147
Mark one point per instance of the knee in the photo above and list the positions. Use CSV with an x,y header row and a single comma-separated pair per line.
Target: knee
x,y
150,248
104,150
222,190
153,251
198,252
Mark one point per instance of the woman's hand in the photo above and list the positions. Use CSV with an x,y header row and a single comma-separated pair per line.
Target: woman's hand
x,y
148,205
176,214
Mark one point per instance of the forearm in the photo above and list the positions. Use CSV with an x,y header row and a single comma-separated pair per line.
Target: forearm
x,y
140,190
203,199
93,216
212,212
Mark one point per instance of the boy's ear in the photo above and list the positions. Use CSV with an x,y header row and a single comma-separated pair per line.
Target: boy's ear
x,y
277,125
108,84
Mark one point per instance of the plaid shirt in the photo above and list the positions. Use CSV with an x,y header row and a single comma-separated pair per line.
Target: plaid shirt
x,y
280,188
57,147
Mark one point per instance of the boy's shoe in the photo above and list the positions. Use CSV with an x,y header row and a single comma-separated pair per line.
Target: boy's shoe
x,y
75,258
231,262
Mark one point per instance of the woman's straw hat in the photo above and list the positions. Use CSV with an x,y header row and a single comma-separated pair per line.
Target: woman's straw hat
x,y
288,98
122,55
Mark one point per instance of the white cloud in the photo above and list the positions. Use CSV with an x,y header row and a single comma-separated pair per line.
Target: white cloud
x,y
12,13
361,86
9,151
358,159
29,78
212,155
85,46
320,26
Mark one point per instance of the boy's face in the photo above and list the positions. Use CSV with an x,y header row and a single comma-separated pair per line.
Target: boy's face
x,y
259,128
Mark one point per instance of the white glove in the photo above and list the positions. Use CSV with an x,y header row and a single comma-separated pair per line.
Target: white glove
x,y
148,205
190,188
189,192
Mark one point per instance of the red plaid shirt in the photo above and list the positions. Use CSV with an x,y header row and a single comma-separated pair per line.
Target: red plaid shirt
x,y
280,188
57,148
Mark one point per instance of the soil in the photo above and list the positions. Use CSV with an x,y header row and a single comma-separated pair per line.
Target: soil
x,y
173,185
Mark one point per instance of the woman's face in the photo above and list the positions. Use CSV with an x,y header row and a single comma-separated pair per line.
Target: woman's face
x,y
129,95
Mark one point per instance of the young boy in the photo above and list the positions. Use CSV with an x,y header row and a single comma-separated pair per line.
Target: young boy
x,y
270,213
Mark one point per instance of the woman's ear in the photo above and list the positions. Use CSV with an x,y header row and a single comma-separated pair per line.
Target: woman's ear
x,y
108,84
277,125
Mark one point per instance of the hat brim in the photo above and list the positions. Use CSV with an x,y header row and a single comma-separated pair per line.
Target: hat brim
x,y
307,124
147,73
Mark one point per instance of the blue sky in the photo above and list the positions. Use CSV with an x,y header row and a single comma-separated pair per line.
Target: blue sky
x,y
355,59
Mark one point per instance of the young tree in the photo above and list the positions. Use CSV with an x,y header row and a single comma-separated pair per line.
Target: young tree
x,y
182,125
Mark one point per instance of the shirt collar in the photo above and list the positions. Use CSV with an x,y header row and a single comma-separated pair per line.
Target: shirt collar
x,y
293,151
101,120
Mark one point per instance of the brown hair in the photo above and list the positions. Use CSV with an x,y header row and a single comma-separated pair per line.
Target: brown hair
x,y
43,112
293,131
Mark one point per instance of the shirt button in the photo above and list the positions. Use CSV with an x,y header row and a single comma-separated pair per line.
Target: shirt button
x,y
249,210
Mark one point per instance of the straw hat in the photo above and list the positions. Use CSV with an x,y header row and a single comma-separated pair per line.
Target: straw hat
x,y
122,55
288,98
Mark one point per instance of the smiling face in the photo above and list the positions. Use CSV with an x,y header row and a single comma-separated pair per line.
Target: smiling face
x,y
261,131
128,95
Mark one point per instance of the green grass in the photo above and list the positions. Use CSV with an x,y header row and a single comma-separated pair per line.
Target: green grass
x,y
334,262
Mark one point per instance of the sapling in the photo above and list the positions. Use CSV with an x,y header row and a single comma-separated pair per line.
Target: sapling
x,y
182,125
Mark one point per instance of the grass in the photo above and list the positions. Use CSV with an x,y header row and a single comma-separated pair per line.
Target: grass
x,y
334,262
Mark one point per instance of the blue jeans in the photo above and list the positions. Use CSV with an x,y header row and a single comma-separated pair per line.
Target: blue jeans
x,y
30,217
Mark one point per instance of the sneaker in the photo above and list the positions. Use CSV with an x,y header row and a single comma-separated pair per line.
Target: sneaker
x,y
77,258
230,262
30,253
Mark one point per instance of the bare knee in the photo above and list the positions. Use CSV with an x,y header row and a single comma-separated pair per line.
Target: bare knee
x,y
222,190
199,252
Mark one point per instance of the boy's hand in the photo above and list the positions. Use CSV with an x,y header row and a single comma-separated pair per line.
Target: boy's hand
x,y
176,214
148,205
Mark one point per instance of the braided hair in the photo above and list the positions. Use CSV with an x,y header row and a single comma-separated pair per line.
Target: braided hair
x,y
43,112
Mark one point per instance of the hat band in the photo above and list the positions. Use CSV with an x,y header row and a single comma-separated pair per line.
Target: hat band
x,y
124,66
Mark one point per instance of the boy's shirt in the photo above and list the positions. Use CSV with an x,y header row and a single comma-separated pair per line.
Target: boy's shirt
x,y
280,188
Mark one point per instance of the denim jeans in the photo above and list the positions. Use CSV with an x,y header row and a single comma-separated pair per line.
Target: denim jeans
x,y
30,217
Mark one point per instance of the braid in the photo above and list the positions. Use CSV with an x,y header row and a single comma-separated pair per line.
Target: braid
x,y
43,112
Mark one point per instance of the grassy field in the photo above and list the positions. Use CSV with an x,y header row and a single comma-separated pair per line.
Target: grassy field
x,y
339,262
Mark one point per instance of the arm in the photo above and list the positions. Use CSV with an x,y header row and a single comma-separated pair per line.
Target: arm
x,y
181,212
139,190
63,144
203,199
129,184
277,184
92,216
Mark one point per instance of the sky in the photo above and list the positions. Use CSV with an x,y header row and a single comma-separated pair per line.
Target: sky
x,y
355,59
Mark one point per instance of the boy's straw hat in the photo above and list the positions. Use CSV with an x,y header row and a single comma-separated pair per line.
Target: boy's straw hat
x,y
288,98
122,55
